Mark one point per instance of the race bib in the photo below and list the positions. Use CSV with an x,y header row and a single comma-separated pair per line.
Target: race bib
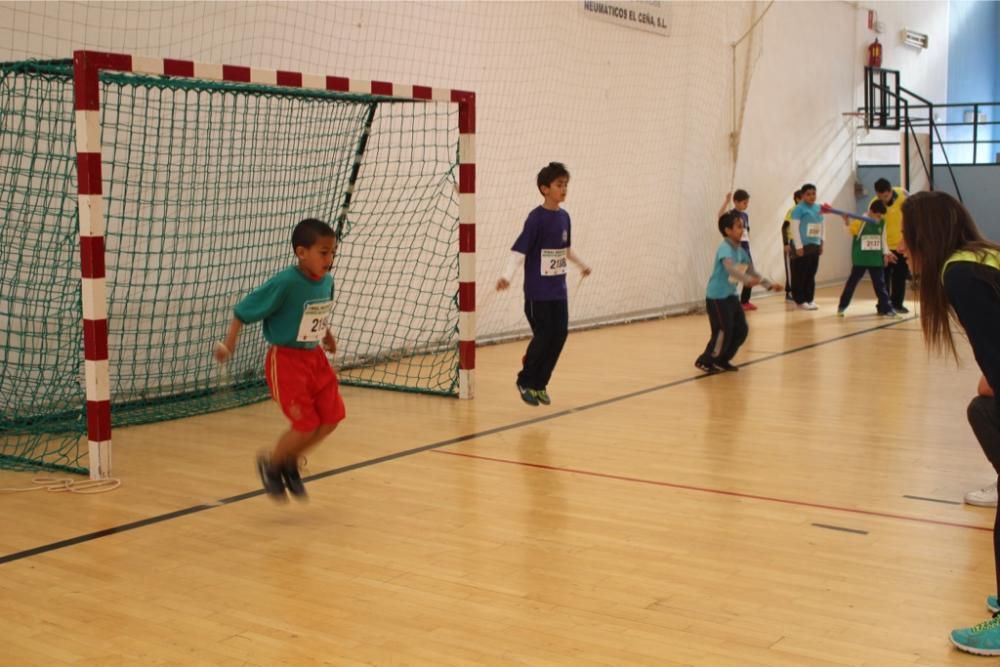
x,y
315,321
814,229
554,262
871,242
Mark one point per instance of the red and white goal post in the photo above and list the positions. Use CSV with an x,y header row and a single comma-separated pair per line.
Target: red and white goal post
x,y
87,68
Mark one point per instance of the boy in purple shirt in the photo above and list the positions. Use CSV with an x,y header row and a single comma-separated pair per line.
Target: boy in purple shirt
x,y
544,248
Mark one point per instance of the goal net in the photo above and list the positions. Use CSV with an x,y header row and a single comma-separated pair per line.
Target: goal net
x,y
202,181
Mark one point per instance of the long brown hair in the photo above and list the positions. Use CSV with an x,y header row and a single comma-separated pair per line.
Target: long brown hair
x,y
935,226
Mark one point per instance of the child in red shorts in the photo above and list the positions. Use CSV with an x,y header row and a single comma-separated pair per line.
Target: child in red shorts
x,y
295,307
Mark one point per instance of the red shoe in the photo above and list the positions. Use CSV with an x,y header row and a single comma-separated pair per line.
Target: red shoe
x,y
748,306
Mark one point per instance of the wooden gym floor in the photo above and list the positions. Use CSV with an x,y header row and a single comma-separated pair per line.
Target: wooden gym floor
x,y
804,511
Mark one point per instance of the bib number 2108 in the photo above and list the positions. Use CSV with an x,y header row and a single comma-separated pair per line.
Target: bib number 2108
x,y
553,262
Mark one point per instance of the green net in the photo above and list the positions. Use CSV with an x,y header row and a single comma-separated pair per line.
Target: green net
x,y
42,394
203,182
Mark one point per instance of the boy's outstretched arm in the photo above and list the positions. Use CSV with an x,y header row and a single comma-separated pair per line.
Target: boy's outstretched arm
x,y
750,277
725,205
224,350
743,277
514,262
578,261
767,283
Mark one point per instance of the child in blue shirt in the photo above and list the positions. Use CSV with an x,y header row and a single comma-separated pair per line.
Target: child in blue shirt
x,y
544,248
731,269
807,241
741,200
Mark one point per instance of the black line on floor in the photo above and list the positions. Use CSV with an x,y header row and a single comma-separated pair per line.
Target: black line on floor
x,y
149,521
933,500
840,528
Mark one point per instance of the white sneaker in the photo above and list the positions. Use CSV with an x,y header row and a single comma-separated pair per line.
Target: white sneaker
x,y
984,497
802,306
811,306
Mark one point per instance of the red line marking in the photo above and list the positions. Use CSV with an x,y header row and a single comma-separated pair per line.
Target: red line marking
x,y
467,355
99,420
467,297
338,83
178,67
467,237
467,178
236,73
735,494
88,173
95,340
290,79
92,257
466,110
381,88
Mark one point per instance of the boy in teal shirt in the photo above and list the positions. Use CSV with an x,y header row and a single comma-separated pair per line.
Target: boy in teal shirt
x,y
730,269
295,307
807,243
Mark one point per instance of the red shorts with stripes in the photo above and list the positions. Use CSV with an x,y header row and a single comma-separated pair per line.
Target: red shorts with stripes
x,y
305,386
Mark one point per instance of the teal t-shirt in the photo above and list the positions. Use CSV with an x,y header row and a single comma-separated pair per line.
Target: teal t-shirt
x,y
720,284
809,218
295,309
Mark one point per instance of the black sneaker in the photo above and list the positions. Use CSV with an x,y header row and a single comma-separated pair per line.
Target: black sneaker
x,y
270,478
706,366
901,309
293,481
726,366
527,395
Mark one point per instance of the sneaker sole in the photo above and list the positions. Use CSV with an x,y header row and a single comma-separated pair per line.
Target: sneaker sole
x,y
973,650
980,503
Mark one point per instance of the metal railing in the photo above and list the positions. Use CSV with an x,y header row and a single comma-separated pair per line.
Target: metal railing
x,y
890,106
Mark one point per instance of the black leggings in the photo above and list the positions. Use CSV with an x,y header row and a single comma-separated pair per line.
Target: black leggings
x,y
895,279
984,418
549,322
745,293
729,330
804,277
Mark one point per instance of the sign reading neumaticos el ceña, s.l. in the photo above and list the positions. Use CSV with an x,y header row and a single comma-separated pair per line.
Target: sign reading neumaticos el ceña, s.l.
x,y
648,15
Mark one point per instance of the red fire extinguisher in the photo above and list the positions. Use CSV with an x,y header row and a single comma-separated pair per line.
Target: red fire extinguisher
x,y
875,54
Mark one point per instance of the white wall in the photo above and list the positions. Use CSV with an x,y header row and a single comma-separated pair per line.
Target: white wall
x,y
809,72
923,71
641,120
